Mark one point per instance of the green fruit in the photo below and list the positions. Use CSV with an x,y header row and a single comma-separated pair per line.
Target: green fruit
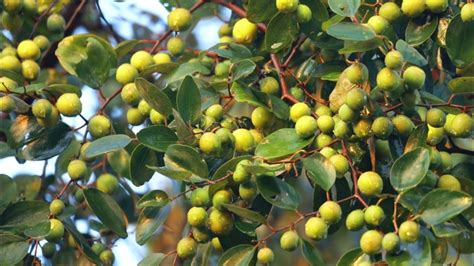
x,y
257,135
216,244
201,234
346,114
248,191
48,250
99,126
316,229
378,23
12,6
374,215
437,6
56,207
79,196
270,85
390,242
197,216
10,62
449,182
71,242
387,79
340,164
287,6
323,110
7,104
107,183
390,11
206,122
130,94
229,123
371,242
403,125
357,73
303,14
330,212
409,231
262,118
107,257
56,230
362,128
30,7
56,23
446,161
289,240
98,247
42,42
240,174
215,111
342,130
161,58
141,59
355,220
69,104
435,158
179,19
209,143
413,8
435,117
126,73
200,197
414,77
30,69
221,197
50,120
225,39
225,30
222,69
356,99
394,60
135,117
306,126
435,135
7,84
244,31
298,110
11,22
382,127
265,255
175,46
77,170
461,126
244,141
220,223
327,152
156,117
370,183
323,140
325,124
467,12
225,136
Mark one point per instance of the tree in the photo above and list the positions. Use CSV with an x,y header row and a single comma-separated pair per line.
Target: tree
x,y
361,103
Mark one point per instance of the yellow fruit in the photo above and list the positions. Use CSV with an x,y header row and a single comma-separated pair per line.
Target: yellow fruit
x,y
209,143
161,58
413,8
7,104
244,31
370,183
175,46
141,59
179,19
449,182
30,69
371,242
10,62
287,6
244,141
69,104
126,73
99,126
28,49
134,117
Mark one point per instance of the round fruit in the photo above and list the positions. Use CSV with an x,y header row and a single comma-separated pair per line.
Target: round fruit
x,y
98,248
135,117
287,6
200,197
298,110
289,240
77,170
244,31
370,183
325,123
107,257
409,231
435,135
378,24
244,141
126,73
156,117
355,220
107,183
99,126
216,244
390,11
382,127
175,46
414,77
30,69
356,99
69,104
437,6
215,111
221,197
209,143
197,216
262,118
371,242
362,128
467,12
56,207
201,234
269,85
461,126
10,62
340,164
357,73
449,182
322,140
161,58
240,174
42,42
224,30
225,136
12,6
323,110
346,114
225,39
222,69
48,249
7,104
446,161
413,8
303,14
306,126
179,19
394,60
50,120
435,117
141,59
316,229
327,152
56,23
220,223
206,122
248,191
330,212
56,230
265,255
374,215
403,125
387,79
28,49
390,242
130,94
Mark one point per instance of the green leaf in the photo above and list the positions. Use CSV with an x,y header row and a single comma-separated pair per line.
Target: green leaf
x,y
319,15
27,186
410,54
351,32
188,100
242,69
7,191
179,175
182,157
65,157
52,142
184,132
88,57
13,76
416,34
281,32
125,47
154,96
241,255
39,230
107,144
417,138
418,253
260,10
187,69
245,213
278,192
120,162
361,46
141,157
458,35
410,199
410,169
164,68
154,198
150,219
13,249
345,8
203,255
281,143
81,242
311,254
440,205
24,214
223,170
448,229
158,138
263,168
320,170
233,51
461,85
154,259
107,210
353,256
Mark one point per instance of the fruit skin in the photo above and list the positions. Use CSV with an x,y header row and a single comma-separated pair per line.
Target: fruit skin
x,y
10,62
175,46
306,126
201,234
56,23
130,94
269,85
355,220
298,110
48,249
461,126
135,117
186,248
287,6
435,117
248,191
390,11
437,6
346,113
325,123
330,212
179,19
161,58
414,77
200,197
12,6
215,111
403,125
394,60
209,143
328,152
378,24
435,135
56,207
7,104
216,244
316,228
107,183
374,215
413,8
322,140
467,12
225,136
220,223
390,242
98,247
77,170
30,69
107,257
340,164
56,230
50,120
357,73
99,126
382,127
257,135
141,59
371,242
221,197
262,118
362,128
197,216
244,141
265,255
224,30
244,31
289,240
126,73
387,79
42,42
446,161
156,117
449,182
69,104
303,14
28,49
222,69
409,231
240,174
370,183
356,99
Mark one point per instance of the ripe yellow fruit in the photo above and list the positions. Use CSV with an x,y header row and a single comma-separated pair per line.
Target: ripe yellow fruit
x,y
244,141
42,42
413,8
409,231
10,62
387,79
156,117
50,120
130,94
126,73
303,13
262,118
209,143
99,126
175,46
77,169
370,183
378,24
287,6
316,229
107,183
162,58
298,110
437,6
30,69
69,104
390,11
270,85
56,230
244,31
179,19
371,242
265,255
141,59
467,12
220,222
134,117
449,182
28,49
7,104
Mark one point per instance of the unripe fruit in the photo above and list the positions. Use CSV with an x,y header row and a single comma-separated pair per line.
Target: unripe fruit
x,y
141,59
56,207
414,77
306,126
48,250
42,42
435,117
323,110
200,197
298,110
12,6
156,117
388,79
316,229
220,223
56,23
248,191
322,140
394,60
346,114
99,126
461,126
357,73
340,164
50,120
225,30
467,12
303,13
409,231
382,127
287,6
126,73
161,58
206,122
221,197
209,143
244,141
79,196
413,8
446,161
257,135
244,31
240,174
378,24
328,152
56,230
270,85
175,46
342,130
390,11
10,62
371,242
201,234
77,170
403,125
7,104
197,216
30,7
437,6
435,135
390,242
69,104
325,124
355,220
107,183
222,69
362,128
215,111
225,136
262,118
289,240
216,244
30,69
130,94
107,257
265,255
370,183
374,215
356,99
179,19
11,22
330,212
435,158
449,182
98,248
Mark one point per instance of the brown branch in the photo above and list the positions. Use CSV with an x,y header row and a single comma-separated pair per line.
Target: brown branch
x,y
41,17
